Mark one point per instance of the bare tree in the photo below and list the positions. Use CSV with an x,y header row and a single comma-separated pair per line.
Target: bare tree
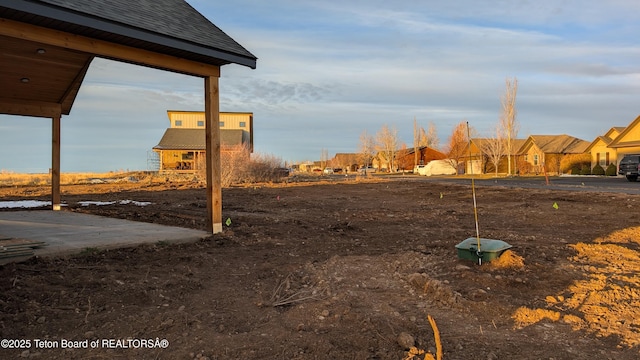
x,y
429,138
494,148
366,148
422,138
237,166
234,165
324,157
387,144
457,146
508,123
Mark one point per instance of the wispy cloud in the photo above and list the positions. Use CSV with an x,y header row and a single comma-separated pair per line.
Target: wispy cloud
x,y
328,70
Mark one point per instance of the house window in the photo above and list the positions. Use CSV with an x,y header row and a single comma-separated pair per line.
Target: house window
x,y
187,156
243,124
221,123
535,159
603,159
200,123
178,122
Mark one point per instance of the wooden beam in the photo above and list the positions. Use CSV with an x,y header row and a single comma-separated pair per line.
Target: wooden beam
x,y
72,91
106,49
212,130
55,164
30,108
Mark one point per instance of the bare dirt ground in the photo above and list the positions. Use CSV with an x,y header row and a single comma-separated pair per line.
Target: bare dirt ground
x,y
346,270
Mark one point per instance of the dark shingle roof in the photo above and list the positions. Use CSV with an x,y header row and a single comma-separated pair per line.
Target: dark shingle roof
x,y
169,25
194,139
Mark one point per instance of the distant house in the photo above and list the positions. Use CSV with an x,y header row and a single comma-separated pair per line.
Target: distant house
x,y
182,147
406,158
600,148
479,160
626,142
346,161
380,161
544,153
307,166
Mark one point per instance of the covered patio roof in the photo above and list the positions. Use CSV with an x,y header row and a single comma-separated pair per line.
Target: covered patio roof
x,y
46,48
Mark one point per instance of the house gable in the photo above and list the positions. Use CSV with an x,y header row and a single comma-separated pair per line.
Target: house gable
x,y
606,139
614,132
531,151
599,142
475,146
526,145
628,138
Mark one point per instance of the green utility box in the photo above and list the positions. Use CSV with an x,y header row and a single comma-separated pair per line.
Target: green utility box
x,y
490,249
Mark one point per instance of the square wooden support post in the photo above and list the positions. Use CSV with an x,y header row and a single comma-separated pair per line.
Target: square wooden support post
x,y
212,130
55,163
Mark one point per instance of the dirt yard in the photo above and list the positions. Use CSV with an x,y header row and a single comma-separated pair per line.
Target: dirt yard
x,y
347,270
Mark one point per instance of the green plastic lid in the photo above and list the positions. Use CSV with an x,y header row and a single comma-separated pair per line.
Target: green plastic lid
x,y
486,245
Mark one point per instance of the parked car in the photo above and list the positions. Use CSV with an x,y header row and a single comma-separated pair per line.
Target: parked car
x,y
283,172
367,170
328,171
630,166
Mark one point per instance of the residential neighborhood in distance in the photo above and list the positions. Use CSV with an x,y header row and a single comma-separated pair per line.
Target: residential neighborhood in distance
x,y
534,155
182,149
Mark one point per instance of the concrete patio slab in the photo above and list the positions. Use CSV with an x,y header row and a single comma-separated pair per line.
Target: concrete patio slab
x,y
67,232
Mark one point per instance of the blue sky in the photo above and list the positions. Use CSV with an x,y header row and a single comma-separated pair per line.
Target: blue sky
x,y
329,70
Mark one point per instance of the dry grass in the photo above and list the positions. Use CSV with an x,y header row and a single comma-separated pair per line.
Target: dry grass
x,y
283,295
8,178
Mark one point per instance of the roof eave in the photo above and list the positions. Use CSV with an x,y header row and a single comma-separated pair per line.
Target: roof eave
x,y
83,20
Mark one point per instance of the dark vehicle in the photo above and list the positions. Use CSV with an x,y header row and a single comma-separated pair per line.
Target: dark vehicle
x,y
630,166
282,172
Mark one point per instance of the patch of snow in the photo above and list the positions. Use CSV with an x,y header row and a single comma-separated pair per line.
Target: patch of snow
x,y
25,204
121,202
97,203
138,203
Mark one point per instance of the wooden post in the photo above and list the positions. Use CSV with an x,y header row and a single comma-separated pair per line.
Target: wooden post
x,y
55,163
212,130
